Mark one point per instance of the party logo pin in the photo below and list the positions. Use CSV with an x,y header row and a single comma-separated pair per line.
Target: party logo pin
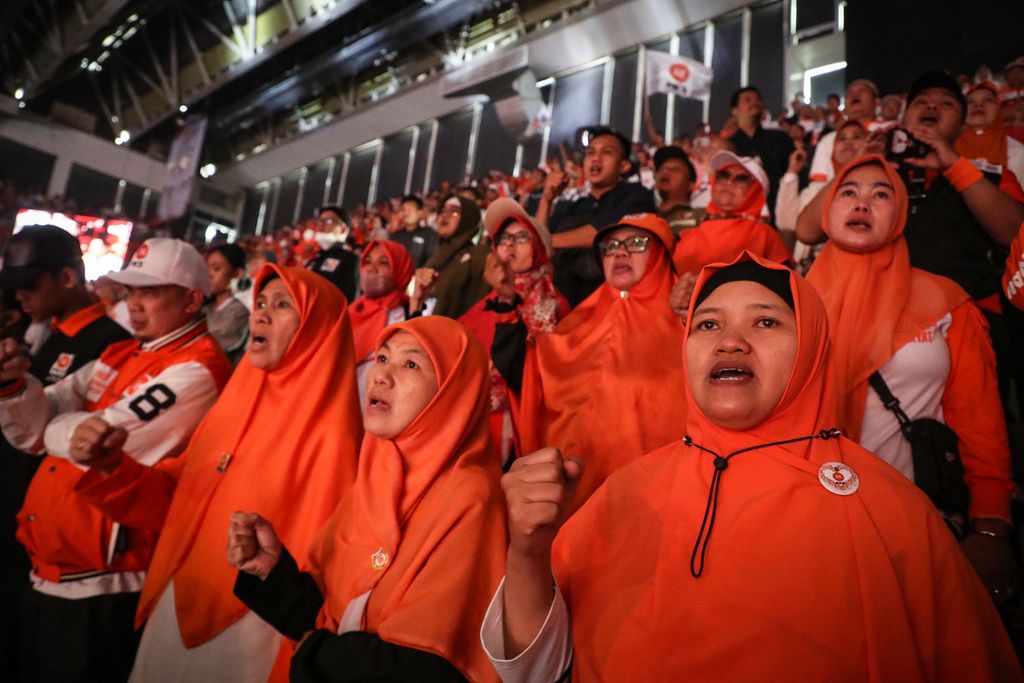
x,y
838,478
379,559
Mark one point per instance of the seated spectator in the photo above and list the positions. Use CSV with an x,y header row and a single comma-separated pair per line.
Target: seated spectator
x,y
339,263
674,175
762,488
1013,89
519,267
861,106
926,339
574,223
413,234
983,139
247,453
772,147
454,276
142,397
891,109
385,271
402,572
226,316
258,258
738,190
114,299
606,384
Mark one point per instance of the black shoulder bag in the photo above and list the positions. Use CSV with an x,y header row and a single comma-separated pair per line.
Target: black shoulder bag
x,y
938,470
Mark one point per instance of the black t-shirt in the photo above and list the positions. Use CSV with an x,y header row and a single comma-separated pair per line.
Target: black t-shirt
x,y
773,147
577,273
340,266
420,243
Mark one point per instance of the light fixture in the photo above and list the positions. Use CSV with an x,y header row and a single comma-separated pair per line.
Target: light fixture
x,y
183,108
207,170
19,93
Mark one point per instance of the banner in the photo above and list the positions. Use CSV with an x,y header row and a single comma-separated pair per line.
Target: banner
x,y
182,164
681,76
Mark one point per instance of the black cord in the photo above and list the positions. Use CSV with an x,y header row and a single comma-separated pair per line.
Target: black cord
x,y
711,509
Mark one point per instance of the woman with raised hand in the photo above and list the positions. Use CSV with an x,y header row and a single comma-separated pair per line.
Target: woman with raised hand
x,y
606,385
519,270
401,574
929,344
762,545
282,441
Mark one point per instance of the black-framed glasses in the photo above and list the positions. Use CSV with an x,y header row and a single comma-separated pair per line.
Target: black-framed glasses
x,y
507,239
634,244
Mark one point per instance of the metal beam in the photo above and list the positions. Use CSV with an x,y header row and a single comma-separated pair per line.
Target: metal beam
x,y
197,56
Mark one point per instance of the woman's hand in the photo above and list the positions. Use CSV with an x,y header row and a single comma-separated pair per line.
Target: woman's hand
x,y
499,276
253,545
679,297
424,281
539,490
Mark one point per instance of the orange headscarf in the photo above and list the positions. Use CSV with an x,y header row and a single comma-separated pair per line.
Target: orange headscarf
x,y
988,143
606,386
721,240
424,527
876,302
370,316
307,452
799,583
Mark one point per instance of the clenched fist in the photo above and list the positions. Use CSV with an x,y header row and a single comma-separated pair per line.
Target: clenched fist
x,y
499,276
97,444
253,545
539,490
13,361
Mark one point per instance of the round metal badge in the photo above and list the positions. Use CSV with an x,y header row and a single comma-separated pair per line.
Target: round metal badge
x,y
838,478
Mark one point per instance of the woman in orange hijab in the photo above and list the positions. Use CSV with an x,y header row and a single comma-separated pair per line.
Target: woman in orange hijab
x,y
519,266
927,340
738,189
401,574
385,269
607,383
248,452
760,546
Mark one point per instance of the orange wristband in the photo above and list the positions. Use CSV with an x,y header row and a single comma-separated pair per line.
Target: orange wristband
x,y
962,174
12,388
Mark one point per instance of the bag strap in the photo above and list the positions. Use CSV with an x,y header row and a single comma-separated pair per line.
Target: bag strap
x,y
890,401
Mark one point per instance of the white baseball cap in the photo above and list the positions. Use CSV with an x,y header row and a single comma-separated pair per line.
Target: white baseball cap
x,y
165,261
753,166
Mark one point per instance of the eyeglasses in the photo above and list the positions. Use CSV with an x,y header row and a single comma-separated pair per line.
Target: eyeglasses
x,y
451,211
726,176
507,239
637,244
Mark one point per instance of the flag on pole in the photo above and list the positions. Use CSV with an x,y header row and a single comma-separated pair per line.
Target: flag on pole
x,y
181,169
681,76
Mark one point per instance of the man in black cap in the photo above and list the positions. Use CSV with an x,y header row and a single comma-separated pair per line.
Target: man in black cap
x,y
340,262
673,183
43,267
573,225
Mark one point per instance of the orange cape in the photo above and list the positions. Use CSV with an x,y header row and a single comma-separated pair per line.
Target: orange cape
x,y
722,240
424,527
607,385
876,303
800,583
370,316
292,433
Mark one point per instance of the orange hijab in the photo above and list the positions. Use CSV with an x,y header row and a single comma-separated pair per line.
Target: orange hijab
x,y
799,583
723,239
876,302
424,527
606,385
307,452
370,316
988,143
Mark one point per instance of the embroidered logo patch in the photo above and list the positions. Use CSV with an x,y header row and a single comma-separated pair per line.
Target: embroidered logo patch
x,y
838,478
60,367
329,265
379,559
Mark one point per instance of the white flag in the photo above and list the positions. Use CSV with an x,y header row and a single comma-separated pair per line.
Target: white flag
x,y
181,169
681,76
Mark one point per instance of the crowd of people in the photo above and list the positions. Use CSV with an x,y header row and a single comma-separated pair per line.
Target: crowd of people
x,y
744,406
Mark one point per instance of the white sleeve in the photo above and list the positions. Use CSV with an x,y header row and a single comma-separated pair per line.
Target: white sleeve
x,y
159,415
546,659
25,416
821,166
787,202
1015,159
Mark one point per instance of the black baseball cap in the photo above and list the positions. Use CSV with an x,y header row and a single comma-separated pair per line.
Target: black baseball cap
x,y
938,79
672,152
35,250
337,211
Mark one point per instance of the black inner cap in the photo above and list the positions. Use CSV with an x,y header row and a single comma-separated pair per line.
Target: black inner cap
x,y
777,281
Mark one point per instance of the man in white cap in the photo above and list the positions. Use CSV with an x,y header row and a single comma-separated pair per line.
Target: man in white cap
x,y
142,397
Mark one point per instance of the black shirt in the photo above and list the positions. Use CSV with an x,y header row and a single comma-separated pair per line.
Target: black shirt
x,y
577,273
420,243
340,265
773,147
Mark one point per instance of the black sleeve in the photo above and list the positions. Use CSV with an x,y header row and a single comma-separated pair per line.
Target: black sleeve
x,y
287,599
508,353
361,656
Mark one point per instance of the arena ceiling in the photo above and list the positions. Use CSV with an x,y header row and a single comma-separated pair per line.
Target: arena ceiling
x,y
262,70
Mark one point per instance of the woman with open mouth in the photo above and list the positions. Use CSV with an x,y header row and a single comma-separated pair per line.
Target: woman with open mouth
x,y
285,429
401,574
762,545
928,342
606,384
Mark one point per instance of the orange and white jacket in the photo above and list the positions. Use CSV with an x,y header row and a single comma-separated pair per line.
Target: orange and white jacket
x,y
158,391
1013,277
